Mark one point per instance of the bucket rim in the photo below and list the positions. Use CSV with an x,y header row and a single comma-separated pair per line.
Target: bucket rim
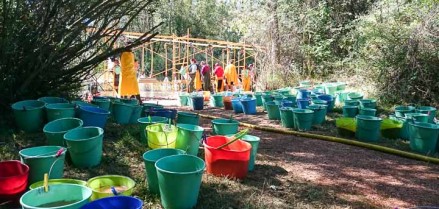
x,y
231,121
100,131
160,149
25,171
101,100
110,176
42,156
81,123
425,125
40,105
367,117
188,114
104,199
145,120
426,108
82,182
234,151
302,111
181,126
89,108
181,173
53,106
173,127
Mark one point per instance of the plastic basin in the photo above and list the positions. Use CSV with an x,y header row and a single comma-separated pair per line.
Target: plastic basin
x,y
367,111
237,106
85,146
110,185
122,112
303,94
303,103
368,103
56,129
197,103
329,99
355,96
430,111
223,126
29,115
352,103
161,136
319,115
286,117
102,103
217,100
117,202
258,96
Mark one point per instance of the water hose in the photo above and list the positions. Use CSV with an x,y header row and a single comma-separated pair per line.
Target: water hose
x,y
375,147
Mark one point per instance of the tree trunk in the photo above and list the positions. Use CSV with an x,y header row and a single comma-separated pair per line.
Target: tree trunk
x,y
275,45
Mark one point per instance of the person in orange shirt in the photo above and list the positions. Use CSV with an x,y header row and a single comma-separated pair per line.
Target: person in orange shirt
x,y
246,79
128,85
231,75
219,74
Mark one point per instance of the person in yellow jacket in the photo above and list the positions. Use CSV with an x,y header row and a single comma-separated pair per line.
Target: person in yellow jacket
x,y
128,85
231,75
246,79
195,75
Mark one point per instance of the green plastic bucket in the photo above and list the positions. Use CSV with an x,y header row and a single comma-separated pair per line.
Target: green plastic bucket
x,y
341,96
368,128
188,118
56,129
291,98
266,98
29,115
59,196
102,103
286,117
254,141
303,119
367,111
350,111
122,112
319,115
216,100
430,111
136,114
183,99
400,111
146,121
355,96
341,86
273,111
110,185
53,100
189,138
161,135
179,178
150,158
258,96
58,181
85,146
352,103
44,159
278,100
330,88
423,137
368,103
417,117
130,101
224,127
60,110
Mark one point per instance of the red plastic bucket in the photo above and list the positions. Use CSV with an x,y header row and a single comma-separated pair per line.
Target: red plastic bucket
x,y
13,180
231,161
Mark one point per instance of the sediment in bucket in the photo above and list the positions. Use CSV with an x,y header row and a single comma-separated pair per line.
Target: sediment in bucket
x,y
136,114
188,118
254,141
161,136
217,100
85,146
423,137
430,111
59,196
286,117
248,106
110,185
53,100
236,105
319,114
179,178
197,102
29,115
102,103
223,126
231,160
44,159
58,181
368,128
189,138
350,111
122,112
59,110
13,180
56,129
303,119
150,158
273,111
117,202
367,111
93,116
146,121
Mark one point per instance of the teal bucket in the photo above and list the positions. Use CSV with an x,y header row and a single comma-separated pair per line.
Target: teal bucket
x,y
146,121
368,128
188,118
53,100
417,117
224,127
278,99
29,115
351,103
59,196
216,100
56,129
355,96
85,146
254,141
341,96
330,88
150,158
368,111
286,117
423,137
266,98
291,98
368,103
122,112
350,111
44,159
430,111
189,138
319,115
102,103
273,111
179,178
303,119
183,99
130,101
258,96
136,114
341,86
60,110
400,111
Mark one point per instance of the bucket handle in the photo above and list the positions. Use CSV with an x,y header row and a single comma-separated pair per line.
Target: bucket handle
x,y
114,191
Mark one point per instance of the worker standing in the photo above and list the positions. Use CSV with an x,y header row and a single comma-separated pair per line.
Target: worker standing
x,y
128,85
246,79
219,74
231,75
205,72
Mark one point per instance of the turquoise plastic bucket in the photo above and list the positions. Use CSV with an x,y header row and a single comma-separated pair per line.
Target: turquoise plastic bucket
x,y
224,127
254,141
60,110
122,112
303,119
85,146
146,121
417,117
341,96
400,111
430,111
258,96
53,100
273,111
319,115
248,106
44,159
150,158
368,103
56,129
266,98
350,111
286,117
179,178
351,103
59,196
368,128
341,86
189,138
367,111
331,88
188,118
216,100
136,114
423,137
102,103
355,96
183,99
29,115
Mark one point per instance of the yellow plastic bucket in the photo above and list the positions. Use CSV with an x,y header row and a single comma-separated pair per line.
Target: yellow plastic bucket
x,y
161,136
110,185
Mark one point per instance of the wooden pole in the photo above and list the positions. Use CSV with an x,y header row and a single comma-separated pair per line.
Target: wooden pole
x,y
174,67
143,59
166,60
152,60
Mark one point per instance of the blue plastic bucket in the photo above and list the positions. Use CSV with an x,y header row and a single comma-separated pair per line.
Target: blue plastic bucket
x,y
329,99
303,94
197,103
115,202
303,103
93,116
248,106
237,106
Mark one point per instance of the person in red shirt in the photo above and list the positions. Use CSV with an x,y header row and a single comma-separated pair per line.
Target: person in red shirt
x,y
219,74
